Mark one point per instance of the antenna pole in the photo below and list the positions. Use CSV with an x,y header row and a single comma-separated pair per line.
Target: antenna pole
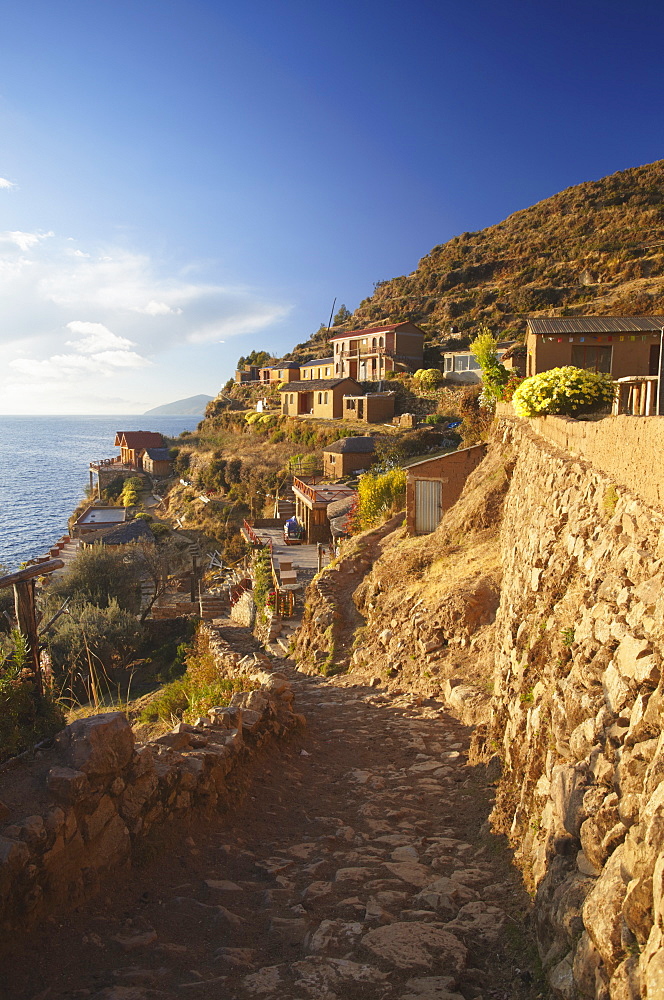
x,y
331,314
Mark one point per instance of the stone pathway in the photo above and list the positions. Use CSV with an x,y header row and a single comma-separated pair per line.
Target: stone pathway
x,y
359,866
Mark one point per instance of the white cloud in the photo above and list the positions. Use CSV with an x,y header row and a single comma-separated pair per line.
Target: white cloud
x,y
70,316
24,241
96,337
5,184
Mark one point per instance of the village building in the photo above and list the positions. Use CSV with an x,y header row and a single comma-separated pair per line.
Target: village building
x,y
618,345
435,484
369,354
463,366
312,497
136,530
323,398
372,408
250,373
157,462
95,519
322,368
284,372
133,444
351,454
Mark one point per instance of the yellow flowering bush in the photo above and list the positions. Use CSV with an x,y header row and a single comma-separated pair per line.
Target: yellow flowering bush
x,y
569,391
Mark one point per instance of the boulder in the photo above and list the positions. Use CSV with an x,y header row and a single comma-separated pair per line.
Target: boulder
x,y
417,945
99,745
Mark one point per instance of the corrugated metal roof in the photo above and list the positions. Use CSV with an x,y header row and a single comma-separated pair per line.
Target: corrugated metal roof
x,y
317,361
595,324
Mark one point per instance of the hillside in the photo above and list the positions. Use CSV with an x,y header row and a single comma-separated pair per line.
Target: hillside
x,y
192,406
596,248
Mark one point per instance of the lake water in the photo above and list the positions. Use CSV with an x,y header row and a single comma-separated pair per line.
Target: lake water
x,y
44,471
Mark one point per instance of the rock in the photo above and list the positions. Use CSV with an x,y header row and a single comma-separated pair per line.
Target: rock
x,y
478,923
98,745
634,659
353,874
561,979
266,980
290,932
431,988
404,854
66,785
624,984
333,936
223,885
242,958
411,872
140,939
602,911
321,976
415,945
446,896
4,812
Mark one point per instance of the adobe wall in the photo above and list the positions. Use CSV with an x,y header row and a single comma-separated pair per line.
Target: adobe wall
x,y
97,794
453,469
627,449
577,712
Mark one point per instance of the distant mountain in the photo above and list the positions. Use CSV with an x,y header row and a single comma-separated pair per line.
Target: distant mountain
x,y
193,406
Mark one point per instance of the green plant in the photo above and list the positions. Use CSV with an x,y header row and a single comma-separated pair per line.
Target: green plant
x,y
25,718
567,636
494,375
378,495
569,391
609,501
428,378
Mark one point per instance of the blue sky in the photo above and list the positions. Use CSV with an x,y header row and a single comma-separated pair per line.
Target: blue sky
x,y
183,182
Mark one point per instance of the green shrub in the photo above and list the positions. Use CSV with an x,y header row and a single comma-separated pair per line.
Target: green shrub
x,y
158,529
200,689
380,494
428,378
24,718
494,375
144,517
569,391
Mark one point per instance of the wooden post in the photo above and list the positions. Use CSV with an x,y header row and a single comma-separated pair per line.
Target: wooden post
x,y
23,583
26,616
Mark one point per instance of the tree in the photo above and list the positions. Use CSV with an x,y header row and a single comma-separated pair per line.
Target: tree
x,y
259,358
157,561
98,575
495,376
342,317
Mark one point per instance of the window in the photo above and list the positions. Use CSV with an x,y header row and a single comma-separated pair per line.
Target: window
x,y
380,342
337,347
320,398
336,368
292,397
327,371
325,400
594,359
448,364
374,343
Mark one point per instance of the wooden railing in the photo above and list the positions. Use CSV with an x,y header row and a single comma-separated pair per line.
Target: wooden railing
x,y
636,395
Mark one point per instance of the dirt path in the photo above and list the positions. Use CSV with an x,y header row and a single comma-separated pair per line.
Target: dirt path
x,y
359,866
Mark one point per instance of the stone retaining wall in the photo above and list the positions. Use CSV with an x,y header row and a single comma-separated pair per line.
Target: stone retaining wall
x,y
578,704
100,793
627,449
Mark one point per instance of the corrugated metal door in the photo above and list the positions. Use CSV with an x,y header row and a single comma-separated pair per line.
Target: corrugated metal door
x,y
428,505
